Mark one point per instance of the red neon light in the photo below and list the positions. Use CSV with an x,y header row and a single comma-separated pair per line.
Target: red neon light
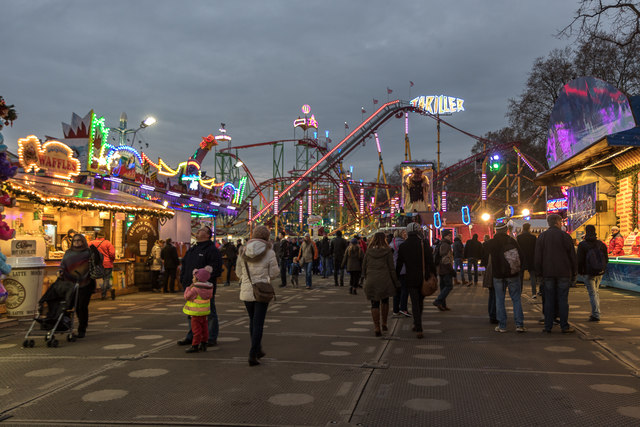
x,y
330,152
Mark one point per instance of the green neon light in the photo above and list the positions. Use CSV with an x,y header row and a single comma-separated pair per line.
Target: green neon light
x,y
624,261
240,192
97,125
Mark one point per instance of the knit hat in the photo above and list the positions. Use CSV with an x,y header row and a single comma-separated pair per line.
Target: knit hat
x,y
354,241
501,226
202,274
413,228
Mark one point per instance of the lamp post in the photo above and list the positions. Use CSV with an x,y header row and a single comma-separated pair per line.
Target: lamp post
x,y
123,131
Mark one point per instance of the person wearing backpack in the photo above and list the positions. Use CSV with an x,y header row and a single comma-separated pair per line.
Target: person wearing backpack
x,y
505,267
443,260
556,263
109,255
592,262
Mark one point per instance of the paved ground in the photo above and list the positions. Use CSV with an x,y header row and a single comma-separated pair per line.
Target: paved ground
x,y
325,367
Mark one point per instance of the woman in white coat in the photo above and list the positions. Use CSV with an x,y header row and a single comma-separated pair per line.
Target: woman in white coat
x,y
258,256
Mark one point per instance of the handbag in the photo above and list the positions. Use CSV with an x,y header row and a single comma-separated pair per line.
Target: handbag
x,y
262,291
430,285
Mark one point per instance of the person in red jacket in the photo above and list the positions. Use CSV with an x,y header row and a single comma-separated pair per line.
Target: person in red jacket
x,y
109,253
616,244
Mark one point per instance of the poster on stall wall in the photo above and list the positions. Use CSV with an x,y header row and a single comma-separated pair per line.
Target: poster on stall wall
x,y
581,205
141,236
624,205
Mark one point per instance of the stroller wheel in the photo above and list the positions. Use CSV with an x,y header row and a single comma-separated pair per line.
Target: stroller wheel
x,y
71,338
54,343
25,343
48,343
32,343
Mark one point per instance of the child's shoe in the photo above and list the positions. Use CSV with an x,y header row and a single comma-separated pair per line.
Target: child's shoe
x,y
192,349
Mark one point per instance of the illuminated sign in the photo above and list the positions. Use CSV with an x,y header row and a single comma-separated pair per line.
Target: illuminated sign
x,y
438,104
466,216
53,157
306,123
556,205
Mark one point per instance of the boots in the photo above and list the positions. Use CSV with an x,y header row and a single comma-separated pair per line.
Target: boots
x,y
375,314
203,346
385,313
113,294
193,349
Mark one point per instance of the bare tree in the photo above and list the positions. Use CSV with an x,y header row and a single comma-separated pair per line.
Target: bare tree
x,y
616,22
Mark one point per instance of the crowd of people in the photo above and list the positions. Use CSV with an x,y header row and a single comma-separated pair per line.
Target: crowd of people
x,y
387,267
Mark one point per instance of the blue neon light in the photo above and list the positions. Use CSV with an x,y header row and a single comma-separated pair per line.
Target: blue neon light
x,y
466,216
437,222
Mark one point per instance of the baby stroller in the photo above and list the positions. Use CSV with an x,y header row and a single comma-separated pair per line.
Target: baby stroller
x,y
55,314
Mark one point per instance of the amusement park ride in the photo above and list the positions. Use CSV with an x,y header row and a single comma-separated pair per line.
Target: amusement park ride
x,y
332,193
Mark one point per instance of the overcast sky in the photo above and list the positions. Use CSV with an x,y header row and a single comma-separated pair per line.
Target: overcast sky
x,y
253,64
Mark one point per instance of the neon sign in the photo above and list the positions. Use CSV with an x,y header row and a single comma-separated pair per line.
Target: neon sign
x,y
437,221
466,216
438,104
54,157
306,123
556,205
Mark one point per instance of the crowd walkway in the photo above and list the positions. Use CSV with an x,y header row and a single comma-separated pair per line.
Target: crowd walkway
x,y
324,366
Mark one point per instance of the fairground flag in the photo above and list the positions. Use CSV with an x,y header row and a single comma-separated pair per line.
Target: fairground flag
x,y
410,83
389,91
375,101
363,110
346,126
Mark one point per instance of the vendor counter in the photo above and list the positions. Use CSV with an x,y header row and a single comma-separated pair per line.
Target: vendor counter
x,y
122,278
623,273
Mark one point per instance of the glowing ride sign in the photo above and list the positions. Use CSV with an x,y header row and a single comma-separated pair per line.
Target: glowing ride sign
x,y
439,105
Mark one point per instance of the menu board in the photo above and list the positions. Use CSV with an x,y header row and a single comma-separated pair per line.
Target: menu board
x,y
624,205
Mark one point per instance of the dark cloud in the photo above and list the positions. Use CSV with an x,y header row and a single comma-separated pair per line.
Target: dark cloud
x,y
252,64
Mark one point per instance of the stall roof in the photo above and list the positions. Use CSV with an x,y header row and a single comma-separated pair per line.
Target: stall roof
x,y
56,192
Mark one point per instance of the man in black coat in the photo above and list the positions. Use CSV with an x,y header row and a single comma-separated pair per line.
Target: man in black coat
x,y
557,264
170,260
416,255
282,249
338,248
527,243
230,256
203,253
325,255
473,254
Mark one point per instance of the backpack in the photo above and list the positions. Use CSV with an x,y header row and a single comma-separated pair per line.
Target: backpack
x,y
437,258
96,266
595,262
511,257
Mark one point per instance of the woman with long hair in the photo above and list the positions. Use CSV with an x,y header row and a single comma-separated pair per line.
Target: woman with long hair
x,y
256,263
380,280
74,267
353,261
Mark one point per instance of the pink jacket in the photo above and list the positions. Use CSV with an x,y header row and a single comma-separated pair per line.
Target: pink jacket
x,y
202,289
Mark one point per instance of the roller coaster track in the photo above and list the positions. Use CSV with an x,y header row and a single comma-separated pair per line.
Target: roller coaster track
x,y
332,158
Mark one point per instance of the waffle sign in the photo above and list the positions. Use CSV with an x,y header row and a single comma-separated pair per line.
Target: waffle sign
x,y
53,157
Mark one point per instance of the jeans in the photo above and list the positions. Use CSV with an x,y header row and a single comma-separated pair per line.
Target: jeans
x,y
446,286
472,262
284,266
491,305
458,265
556,292
326,270
401,297
212,320
593,286
338,269
106,281
257,313
308,272
82,308
532,277
354,279
417,304
169,280
228,264
155,279
500,286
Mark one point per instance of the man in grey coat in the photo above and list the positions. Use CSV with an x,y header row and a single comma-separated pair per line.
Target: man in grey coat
x,y
556,262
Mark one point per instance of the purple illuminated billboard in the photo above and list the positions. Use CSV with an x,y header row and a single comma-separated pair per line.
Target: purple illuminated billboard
x,y
587,110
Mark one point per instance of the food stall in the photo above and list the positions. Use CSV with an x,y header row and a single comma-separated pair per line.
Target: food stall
x,y
593,155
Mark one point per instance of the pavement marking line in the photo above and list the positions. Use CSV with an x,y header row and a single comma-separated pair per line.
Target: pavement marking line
x,y
168,417
88,383
631,355
344,388
161,342
600,355
55,383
